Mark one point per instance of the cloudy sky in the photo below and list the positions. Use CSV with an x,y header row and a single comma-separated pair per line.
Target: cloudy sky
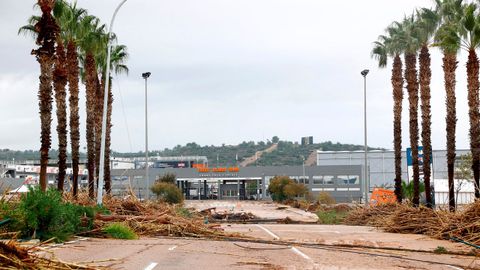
x,y
225,71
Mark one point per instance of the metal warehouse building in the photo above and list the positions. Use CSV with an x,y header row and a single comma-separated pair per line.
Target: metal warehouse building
x,y
381,163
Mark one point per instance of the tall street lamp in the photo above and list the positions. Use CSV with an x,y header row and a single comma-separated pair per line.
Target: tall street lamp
x,y
365,168
104,116
147,184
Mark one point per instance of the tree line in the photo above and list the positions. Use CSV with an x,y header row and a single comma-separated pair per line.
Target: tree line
x,y
84,58
450,26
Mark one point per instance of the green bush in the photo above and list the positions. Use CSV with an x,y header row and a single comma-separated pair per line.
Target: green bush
x,y
407,189
167,192
119,231
45,215
283,188
170,178
331,217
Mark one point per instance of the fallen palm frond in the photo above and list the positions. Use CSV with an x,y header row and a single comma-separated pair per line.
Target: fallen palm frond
x,y
370,215
13,256
441,224
150,218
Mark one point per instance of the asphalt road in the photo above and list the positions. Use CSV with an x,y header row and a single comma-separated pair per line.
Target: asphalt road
x,y
168,253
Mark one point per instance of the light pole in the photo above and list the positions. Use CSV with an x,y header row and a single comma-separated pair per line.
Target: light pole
x,y
365,168
147,184
104,116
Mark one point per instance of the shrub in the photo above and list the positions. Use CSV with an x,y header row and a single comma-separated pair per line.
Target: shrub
x,y
407,189
283,188
46,215
170,178
325,198
167,192
119,231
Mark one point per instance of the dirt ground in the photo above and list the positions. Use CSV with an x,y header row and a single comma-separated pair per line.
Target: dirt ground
x,y
178,253
263,210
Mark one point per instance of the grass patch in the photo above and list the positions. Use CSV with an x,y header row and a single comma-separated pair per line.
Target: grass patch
x,y
331,216
440,250
119,231
184,212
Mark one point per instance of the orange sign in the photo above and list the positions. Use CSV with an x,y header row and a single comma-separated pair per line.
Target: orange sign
x,y
381,196
218,169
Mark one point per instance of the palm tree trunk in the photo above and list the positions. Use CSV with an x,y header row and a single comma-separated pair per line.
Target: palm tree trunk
x,y
397,83
108,180
449,67
60,81
45,104
47,31
91,86
425,78
474,114
412,88
98,123
73,75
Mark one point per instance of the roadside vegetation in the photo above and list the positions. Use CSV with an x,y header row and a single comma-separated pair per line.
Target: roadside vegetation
x,y
44,215
283,188
119,231
166,190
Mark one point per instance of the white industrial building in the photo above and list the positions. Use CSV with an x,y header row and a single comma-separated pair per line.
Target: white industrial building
x,y
381,170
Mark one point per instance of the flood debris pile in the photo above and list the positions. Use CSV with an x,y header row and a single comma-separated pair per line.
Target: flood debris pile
x,y
316,206
14,256
227,216
154,219
462,225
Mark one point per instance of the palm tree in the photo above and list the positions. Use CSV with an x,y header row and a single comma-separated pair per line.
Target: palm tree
x,y
90,45
118,58
385,47
59,83
449,42
69,20
427,23
46,30
469,32
410,45
100,57
60,11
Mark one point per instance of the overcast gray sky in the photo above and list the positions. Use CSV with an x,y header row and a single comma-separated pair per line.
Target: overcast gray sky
x,y
225,71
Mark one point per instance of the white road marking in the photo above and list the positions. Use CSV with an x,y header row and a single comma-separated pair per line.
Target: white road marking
x,y
172,248
454,267
294,249
276,237
151,266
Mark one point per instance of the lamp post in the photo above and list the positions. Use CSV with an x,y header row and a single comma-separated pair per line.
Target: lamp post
x,y
104,116
147,184
365,168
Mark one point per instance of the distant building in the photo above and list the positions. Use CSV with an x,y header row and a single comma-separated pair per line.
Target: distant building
x,y
381,167
307,140
247,183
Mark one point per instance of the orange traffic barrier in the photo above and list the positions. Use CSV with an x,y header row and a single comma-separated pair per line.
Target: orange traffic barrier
x,y
381,196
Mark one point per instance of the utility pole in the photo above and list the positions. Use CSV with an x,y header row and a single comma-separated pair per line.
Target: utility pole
x,y
147,181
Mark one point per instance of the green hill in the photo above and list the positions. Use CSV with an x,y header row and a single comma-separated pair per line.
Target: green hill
x,y
287,153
